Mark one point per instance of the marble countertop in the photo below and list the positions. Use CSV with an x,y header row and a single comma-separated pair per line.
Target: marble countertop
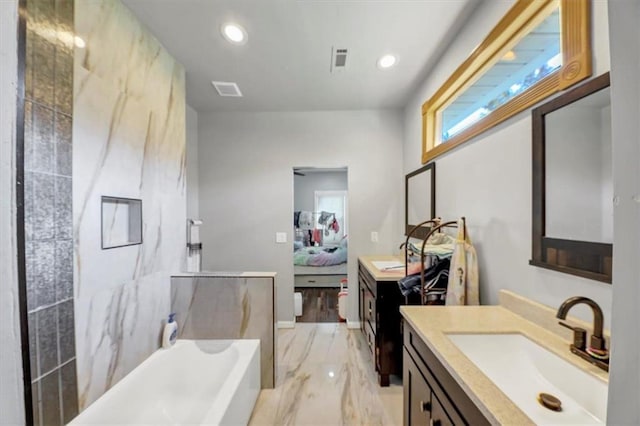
x,y
378,275
432,323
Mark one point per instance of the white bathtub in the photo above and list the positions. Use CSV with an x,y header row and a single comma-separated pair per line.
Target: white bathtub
x,y
212,382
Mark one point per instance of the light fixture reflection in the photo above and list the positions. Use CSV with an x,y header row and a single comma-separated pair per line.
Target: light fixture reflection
x,y
79,42
509,56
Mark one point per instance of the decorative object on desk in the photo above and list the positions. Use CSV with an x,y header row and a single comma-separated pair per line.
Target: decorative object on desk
x,y
121,222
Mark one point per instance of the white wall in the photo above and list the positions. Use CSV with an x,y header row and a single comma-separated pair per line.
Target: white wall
x,y
246,186
11,399
624,383
193,202
488,180
305,187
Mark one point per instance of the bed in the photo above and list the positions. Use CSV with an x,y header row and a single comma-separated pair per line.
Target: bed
x,y
340,269
320,266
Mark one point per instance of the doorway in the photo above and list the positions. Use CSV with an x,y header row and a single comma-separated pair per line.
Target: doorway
x,y
320,221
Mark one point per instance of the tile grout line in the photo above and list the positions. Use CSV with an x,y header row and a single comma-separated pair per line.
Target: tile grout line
x,y
50,173
51,305
53,370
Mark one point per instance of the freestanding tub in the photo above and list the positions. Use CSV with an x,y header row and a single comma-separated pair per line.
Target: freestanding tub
x,y
210,382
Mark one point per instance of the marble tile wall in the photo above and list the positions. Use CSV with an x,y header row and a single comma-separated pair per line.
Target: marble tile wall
x,y
48,209
209,307
129,103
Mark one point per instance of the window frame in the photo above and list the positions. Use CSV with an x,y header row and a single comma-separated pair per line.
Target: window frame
x,y
524,15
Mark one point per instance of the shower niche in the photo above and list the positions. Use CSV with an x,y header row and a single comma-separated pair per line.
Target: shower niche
x,y
121,222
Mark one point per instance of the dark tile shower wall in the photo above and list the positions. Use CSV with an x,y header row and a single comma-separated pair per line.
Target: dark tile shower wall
x,y
48,209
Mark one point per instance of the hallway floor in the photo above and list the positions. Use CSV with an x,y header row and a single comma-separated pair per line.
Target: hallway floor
x,y
326,377
319,304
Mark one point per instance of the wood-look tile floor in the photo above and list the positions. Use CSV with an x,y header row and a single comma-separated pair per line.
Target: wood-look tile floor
x,y
319,304
325,377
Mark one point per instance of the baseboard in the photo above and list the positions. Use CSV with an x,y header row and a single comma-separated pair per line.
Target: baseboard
x,y
353,325
286,324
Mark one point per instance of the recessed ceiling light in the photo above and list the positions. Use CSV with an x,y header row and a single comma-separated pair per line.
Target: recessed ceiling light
x,y
234,33
387,61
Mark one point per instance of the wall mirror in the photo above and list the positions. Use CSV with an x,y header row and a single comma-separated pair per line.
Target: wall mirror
x,y
537,49
420,199
572,182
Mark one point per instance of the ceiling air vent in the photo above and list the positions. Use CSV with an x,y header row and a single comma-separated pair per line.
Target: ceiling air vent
x,y
227,88
338,59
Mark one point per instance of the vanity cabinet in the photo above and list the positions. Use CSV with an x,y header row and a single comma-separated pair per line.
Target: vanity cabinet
x,y
431,395
380,320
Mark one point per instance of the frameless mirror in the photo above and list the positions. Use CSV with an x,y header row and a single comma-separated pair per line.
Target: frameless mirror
x,y
572,182
420,198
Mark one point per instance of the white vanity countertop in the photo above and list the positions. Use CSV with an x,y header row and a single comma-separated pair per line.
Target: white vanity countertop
x,y
433,323
378,275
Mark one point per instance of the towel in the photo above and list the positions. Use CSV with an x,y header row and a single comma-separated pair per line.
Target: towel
x,y
463,275
435,279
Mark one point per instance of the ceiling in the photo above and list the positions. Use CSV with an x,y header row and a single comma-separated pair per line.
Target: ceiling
x,y
285,64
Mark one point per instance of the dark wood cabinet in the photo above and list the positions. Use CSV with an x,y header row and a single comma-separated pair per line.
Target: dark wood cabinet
x,y
380,320
431,396
417,395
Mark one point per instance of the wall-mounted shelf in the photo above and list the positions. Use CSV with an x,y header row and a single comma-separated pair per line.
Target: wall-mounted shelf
x,y
121,222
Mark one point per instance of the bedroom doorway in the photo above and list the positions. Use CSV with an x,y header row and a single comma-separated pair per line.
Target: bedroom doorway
x,y
320,222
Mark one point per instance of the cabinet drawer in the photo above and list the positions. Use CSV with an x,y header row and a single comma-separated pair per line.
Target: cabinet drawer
x,y
439,416
370,309
370,337
318,280
450,404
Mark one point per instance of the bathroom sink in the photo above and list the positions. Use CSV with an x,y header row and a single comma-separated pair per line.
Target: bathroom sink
x,y
522,369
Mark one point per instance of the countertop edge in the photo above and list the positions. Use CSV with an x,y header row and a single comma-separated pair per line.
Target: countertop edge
x,y
433,323
378,275
454,374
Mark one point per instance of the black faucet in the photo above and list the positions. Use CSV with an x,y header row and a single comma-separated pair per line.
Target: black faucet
x,y
597,342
